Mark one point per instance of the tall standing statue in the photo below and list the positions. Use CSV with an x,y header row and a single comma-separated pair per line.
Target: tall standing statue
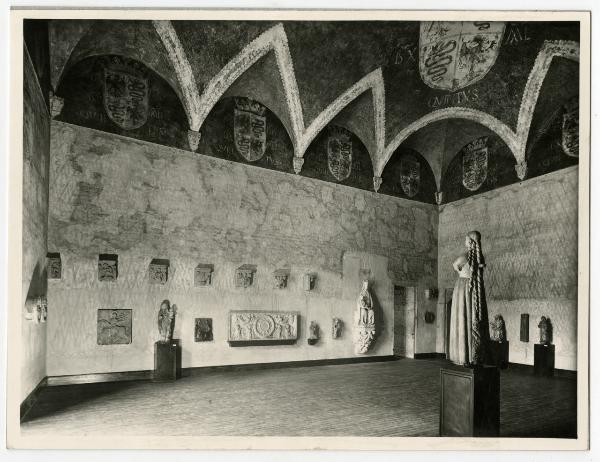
x,y
545,331
166,321
365,320
469,328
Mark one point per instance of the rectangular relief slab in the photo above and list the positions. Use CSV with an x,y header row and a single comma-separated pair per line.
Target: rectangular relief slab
x,y
262,327
203,330
114,327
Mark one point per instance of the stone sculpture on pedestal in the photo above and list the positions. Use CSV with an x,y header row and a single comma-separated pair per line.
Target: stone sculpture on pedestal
x,y
364,321
545,331
498,328
166,321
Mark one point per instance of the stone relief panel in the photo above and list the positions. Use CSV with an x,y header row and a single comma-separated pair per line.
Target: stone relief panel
x,y
244,276
114,327
364,334
203,275
281,278
336,328
108,267
249,326
54,266
203,330
158,271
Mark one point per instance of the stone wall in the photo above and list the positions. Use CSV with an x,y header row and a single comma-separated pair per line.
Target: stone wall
x,y
117,195
529,239
36,144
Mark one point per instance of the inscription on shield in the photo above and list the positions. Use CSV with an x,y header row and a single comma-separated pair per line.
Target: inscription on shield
x,y
475,163
125,93
249,129
570,128
339,153
453,55
410,176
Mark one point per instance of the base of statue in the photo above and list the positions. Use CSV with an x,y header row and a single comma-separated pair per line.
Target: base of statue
x,y
543,360
167,361
499,354
470,401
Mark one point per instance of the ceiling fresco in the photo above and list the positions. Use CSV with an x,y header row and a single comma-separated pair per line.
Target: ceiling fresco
x,y
428,88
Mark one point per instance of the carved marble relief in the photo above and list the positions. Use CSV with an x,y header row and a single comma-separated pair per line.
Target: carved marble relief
x,y
158,271
244,276
203,330
114,327
314,333
364,335
108,267
309,280
281,278
54,266
203,275
262,326
336,328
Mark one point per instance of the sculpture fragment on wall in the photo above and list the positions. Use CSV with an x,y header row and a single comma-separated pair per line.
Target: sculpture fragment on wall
x,y
54,266
364,335
244,276
281,278
336,328
524,333
203,330
108,267
309,281
114,327
203,275
262,326
314,333
158,271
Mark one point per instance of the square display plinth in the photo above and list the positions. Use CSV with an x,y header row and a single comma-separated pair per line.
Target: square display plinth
x,y
167,361
470,401
543,360
499,354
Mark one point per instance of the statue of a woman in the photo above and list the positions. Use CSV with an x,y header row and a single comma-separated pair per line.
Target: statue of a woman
x,y
469,327
365,303
166,321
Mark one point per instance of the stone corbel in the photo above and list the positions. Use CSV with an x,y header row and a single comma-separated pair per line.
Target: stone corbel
x,y
309,280
56,105
298,162
377,180
439,197
194,139
244,276
521,169
281,278
203,275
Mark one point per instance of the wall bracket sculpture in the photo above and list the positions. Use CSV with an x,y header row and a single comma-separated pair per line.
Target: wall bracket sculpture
x,y
244,276
248,328
364,321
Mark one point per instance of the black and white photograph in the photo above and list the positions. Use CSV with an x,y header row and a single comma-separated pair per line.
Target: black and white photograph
x,y
368,229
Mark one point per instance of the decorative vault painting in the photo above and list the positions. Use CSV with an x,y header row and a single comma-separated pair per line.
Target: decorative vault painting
x,y
262,326
114,327
475,163
453,55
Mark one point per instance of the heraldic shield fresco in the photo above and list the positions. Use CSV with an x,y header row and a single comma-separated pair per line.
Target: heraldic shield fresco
x,y
125,93
339,153
570,128
475,163
453,55
410,175
250,129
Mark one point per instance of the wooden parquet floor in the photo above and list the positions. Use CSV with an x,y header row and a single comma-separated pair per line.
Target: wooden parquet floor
x,y
394,398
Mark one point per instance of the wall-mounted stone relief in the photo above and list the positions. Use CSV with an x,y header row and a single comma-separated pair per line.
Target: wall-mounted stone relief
x,y
108,267
203,330
308,281
281,278
54,266
314,333
364,335
244,276
203,275
114,327
158,271
336,328
248,326
524,333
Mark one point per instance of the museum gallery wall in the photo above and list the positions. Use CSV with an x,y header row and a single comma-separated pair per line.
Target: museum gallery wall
x,y
223,205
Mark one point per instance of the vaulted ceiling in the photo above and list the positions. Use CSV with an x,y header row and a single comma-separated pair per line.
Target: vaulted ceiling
x,y
388,83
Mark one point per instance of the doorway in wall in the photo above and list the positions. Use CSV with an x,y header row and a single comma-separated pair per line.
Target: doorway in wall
x,y
447,313
404,321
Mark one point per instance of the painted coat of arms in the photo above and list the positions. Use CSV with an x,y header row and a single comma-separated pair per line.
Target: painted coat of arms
x,y
249,129
453,55
570,128
410,176
475,163
339,153
126,93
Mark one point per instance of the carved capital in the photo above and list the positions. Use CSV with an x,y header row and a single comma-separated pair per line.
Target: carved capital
x,y
56,105
298,163
439,197
377,180
193,139
521,169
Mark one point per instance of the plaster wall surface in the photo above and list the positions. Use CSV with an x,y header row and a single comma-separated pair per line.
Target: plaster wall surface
x,y
111,194
529,239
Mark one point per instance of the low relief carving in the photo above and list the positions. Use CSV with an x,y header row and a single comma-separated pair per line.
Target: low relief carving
x,y
364,321
166,321
107,268
203,275
54,265
336,328
281,278
309,281
248,326
244,276
545,327
203,331
158,271
498,328
313,329
114,327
